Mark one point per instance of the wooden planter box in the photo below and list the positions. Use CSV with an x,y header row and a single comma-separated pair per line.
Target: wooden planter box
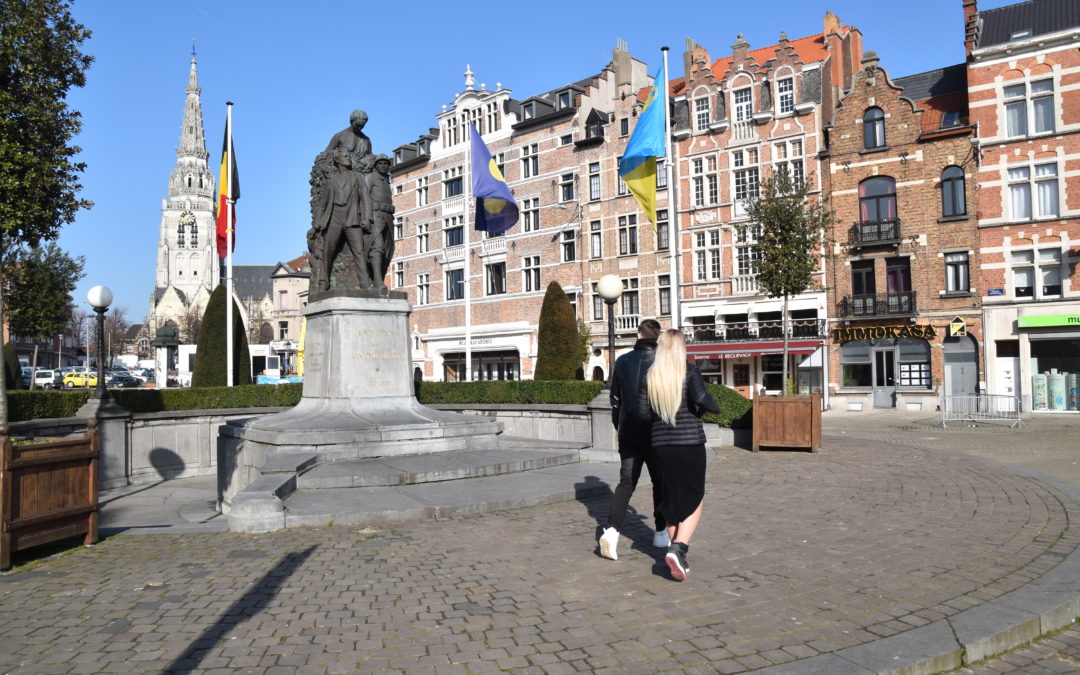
x,y
787,422
48,491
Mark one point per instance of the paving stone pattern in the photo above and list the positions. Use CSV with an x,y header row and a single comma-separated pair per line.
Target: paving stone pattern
x,y
1058,653
798,554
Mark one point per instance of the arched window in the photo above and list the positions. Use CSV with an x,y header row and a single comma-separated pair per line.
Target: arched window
x,y
952,192
877,199
873,128
180,235
194,234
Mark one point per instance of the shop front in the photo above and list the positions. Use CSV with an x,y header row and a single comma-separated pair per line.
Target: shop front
x,y
497,352
1053,358
884,367
753,368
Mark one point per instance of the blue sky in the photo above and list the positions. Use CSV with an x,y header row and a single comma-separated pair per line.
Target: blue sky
x,y
295,71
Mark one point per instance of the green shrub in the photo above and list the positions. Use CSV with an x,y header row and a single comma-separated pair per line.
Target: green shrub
x,y
736,411
558,347
509,391
210,357
12,369
44,404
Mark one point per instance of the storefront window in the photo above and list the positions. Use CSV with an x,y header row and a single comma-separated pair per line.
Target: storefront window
x,y
485,366
914,362
855,364
772,372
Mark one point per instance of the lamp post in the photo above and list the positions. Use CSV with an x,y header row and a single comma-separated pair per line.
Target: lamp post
x,y
100,298
610,289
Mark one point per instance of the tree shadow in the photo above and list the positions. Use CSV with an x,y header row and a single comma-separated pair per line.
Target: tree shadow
x,y
248,605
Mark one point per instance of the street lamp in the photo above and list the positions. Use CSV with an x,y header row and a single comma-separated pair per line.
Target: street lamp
x,y
610,289
100,298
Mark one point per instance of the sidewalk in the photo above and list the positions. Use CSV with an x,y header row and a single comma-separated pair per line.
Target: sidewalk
x,y
889,549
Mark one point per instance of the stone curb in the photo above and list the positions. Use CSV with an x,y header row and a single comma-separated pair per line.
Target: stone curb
x,y
1042,606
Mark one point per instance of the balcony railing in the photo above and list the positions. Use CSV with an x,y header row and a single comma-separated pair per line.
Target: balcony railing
x,y
887,304
627,322
747,331
742,131
873,232
494,245
452,253
744,285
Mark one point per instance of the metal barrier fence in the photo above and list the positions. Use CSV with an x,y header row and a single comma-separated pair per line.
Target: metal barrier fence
x,y
981,408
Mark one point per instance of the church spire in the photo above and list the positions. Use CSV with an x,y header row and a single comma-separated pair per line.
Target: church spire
x,y
192,176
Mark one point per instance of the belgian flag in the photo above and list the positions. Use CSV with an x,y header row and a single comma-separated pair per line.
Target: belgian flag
x,y
227,190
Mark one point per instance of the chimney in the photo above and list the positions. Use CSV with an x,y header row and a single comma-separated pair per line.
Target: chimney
x,y
739,49
835,44
688,59
971,21
620,58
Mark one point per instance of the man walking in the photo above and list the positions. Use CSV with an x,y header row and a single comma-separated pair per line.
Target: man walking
x,y
635,447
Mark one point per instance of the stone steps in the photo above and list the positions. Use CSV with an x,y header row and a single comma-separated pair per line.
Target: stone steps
x,y
441,499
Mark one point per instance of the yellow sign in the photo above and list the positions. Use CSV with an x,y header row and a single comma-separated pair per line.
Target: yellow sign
x,y
924,331
957,328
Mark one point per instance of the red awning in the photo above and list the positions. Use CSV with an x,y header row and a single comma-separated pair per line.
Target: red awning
x,y
741,350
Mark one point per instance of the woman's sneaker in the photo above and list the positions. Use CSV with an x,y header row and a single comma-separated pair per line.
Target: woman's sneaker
x,y
676,560
609,541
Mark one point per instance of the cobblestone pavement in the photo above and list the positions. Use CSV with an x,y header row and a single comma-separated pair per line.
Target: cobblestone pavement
x,y
1059,653
798,554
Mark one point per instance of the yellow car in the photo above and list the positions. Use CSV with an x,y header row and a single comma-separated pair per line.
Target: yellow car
x,y
80,379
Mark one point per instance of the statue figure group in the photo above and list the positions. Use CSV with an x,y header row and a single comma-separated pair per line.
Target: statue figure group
x,y
351,200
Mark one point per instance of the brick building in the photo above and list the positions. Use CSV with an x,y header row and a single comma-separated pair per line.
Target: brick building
x,y
1023,70
558,151
736,120
902,164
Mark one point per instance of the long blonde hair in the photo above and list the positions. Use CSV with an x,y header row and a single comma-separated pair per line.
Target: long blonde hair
x,y
666,377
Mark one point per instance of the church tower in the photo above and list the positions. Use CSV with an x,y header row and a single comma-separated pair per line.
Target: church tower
x,y
187,262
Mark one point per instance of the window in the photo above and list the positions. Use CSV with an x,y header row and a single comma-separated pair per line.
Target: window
x,y
528,111
622,184
496,278
1029,265
956,272
914,357
661,174
629,298
877,199
772,371
422,238
422,288
572,297
564,99
707,255
663,234
569,245
399,228
283,300
500,161
422,191
566,187
628,234
597,305
530,161
194,235
283,330
399,274
788,157
624,126
566,139
663,283
703,181
951,118
873,128
785,94
455,284
701,114
746,260
747,178
1023,104
452,182
530,211
530,274
1045,188
952,192
180,235
744,105
594,181
453,232
596,242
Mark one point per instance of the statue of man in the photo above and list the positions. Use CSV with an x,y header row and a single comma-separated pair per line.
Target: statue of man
x,y
354,141
344,208
381,244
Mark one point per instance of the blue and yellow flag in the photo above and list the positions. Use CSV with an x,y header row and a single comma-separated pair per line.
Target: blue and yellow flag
x,y
496,210
638,164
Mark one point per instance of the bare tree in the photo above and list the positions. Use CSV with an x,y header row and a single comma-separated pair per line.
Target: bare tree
x,y
190,322
116,328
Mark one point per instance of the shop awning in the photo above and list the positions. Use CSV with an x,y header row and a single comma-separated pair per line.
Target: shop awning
x,y
740,350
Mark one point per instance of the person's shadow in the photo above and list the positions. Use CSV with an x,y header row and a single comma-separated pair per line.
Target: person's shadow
x,y
595,495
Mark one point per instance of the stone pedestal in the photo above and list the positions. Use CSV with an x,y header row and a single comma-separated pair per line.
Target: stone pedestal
x,y
113,460
357,403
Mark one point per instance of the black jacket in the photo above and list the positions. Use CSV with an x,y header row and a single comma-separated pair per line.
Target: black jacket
x,y
629,379
687,429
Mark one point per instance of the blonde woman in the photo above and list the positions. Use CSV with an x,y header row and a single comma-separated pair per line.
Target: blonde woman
x,y
674,397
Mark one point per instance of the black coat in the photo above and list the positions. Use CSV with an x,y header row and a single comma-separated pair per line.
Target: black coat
x,y
629,380
687,429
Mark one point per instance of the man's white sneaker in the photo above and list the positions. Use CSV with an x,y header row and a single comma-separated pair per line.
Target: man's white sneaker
x,y
660,539
609,540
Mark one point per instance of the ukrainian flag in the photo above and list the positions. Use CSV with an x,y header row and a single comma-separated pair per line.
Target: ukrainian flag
x,y
638,164
496,210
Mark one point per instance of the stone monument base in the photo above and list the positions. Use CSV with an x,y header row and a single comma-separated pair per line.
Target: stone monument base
x,y
358,403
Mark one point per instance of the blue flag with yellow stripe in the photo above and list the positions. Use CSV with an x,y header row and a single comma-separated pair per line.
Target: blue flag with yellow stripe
x,y
638,164
496,210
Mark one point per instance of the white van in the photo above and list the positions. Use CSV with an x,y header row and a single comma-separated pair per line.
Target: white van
x,y
46,379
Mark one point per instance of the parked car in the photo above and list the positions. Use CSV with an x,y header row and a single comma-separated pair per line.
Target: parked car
x,y
80,378
47,379
118,378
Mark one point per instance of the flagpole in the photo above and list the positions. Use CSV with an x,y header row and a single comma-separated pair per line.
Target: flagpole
x,y
468,291
228,247
673,202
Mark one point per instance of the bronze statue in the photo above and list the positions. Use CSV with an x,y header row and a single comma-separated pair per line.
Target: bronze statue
x,y
355,142
381,243
344,209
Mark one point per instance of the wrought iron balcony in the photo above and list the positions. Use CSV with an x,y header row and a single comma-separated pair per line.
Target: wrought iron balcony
x,y
749,331
874,233
885,304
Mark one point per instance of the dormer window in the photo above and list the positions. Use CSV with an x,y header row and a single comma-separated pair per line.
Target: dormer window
x,y
422,147
950,119
528,111
594,130
785,94
564,99
397,156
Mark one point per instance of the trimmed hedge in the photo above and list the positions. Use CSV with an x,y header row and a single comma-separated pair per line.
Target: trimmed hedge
x,y
44,404
509,391
736,411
